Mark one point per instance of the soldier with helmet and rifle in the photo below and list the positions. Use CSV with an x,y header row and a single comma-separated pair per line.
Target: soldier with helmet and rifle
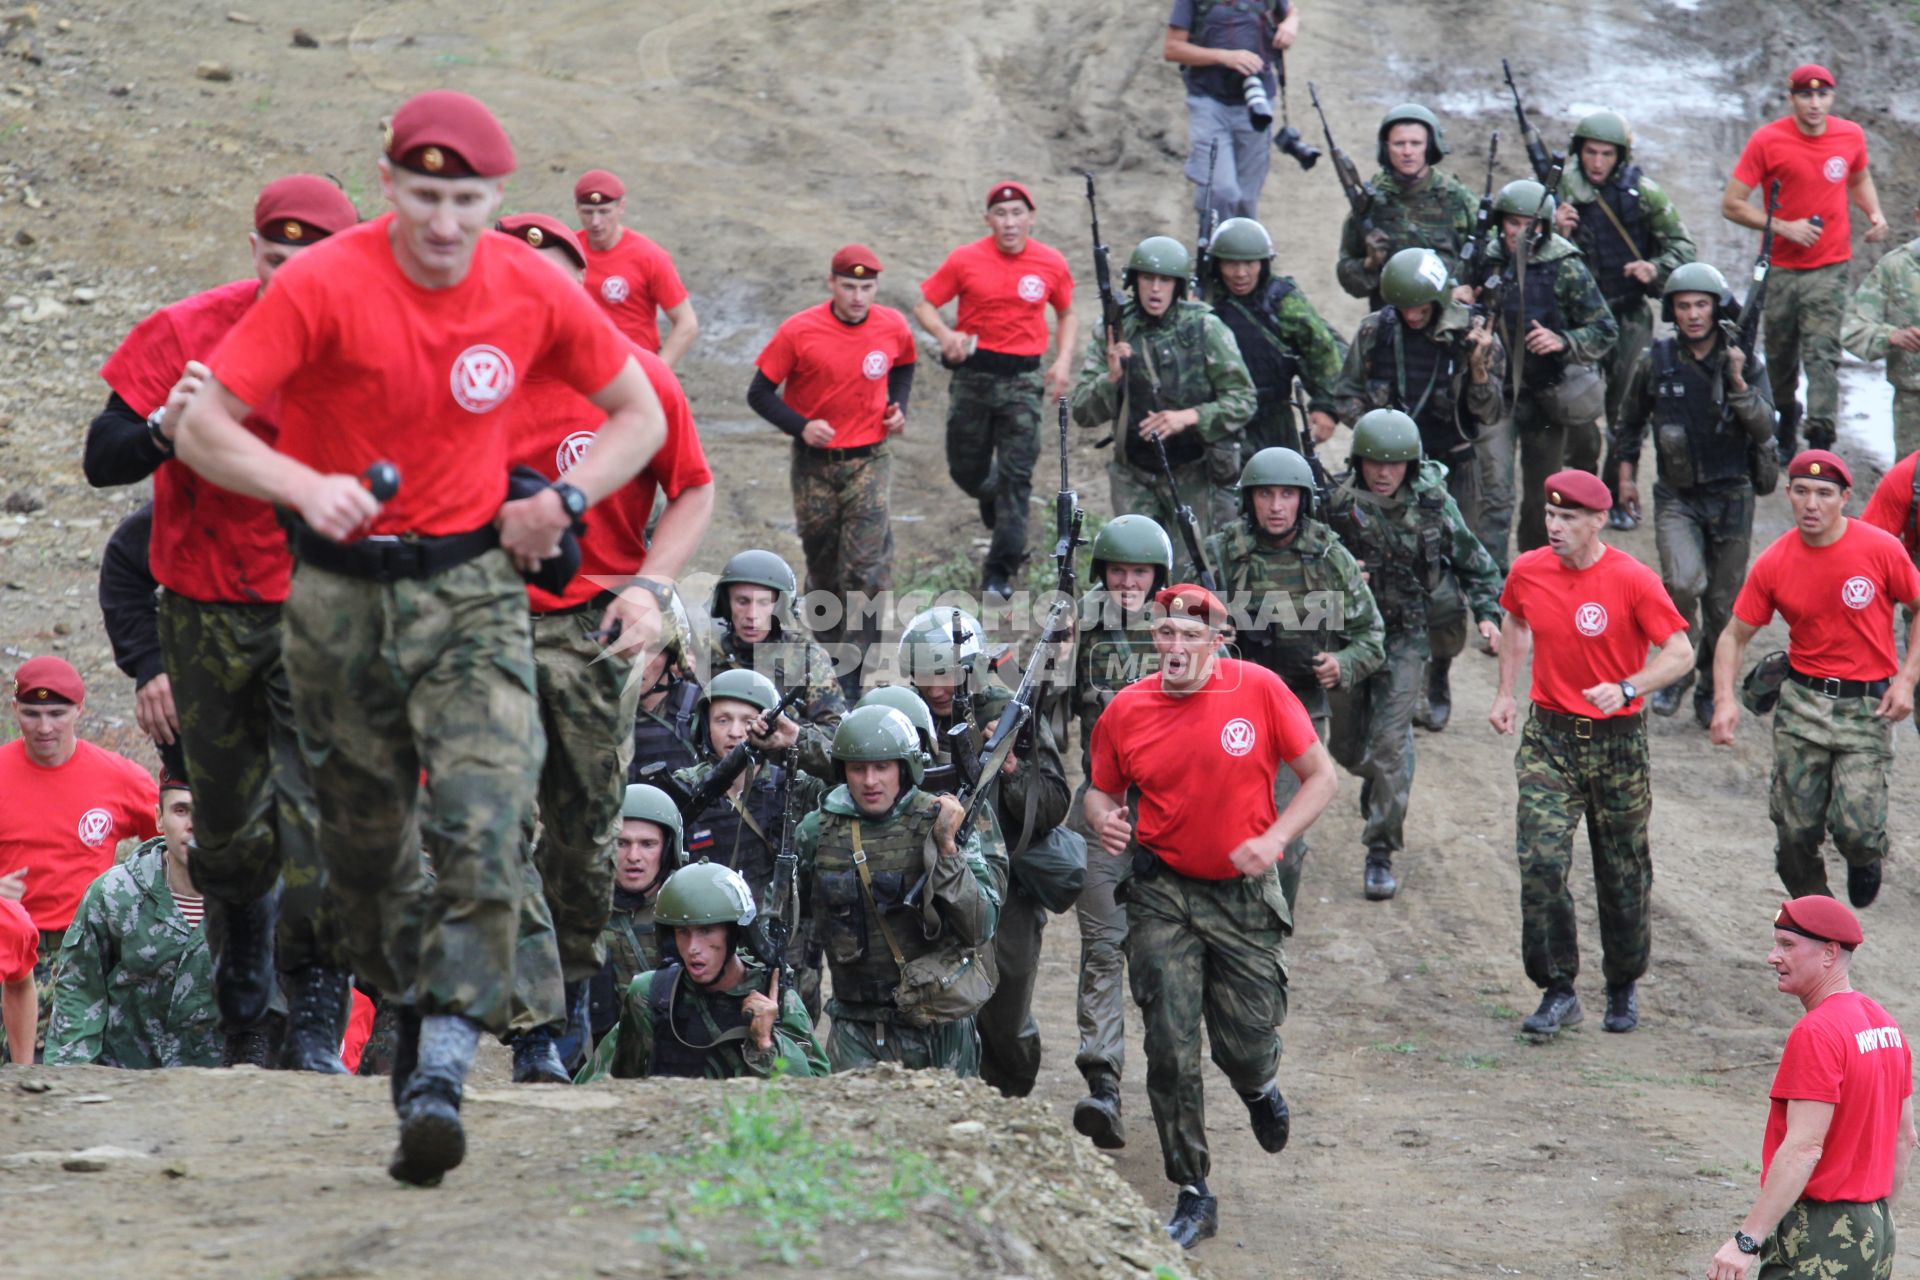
x,y
1420,558
1708,404
650,847
669,691
1313,620
1409,204
754,627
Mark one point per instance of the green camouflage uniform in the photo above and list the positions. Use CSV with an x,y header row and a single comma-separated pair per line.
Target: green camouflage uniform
x,y
1191,357
1437,212
866,1026
1280,336
702,1018
392,679
135,981
993,442
631,950
787,659
1418,554
1889,299
846,534
1801,322
1831,1240
1831,761
1315,601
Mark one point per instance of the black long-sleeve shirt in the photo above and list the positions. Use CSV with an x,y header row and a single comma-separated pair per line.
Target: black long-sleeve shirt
x,y
128,602
119,449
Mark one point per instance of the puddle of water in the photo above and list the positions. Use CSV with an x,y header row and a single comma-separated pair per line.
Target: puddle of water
x,y
1866,412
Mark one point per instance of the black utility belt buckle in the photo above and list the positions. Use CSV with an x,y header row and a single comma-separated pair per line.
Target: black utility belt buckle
x,y
1830,686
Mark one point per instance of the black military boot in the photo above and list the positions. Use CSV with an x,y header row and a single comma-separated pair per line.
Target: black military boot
x,y
1098,1114
1863,883
406,1049
536,1059
431,1139
243,976
1439,705
1623,1008
248,1047
1666,701
1820,437
1378,882
318,997
1196,1215
1787,430
1559,1007
1271,1122
1703,705
576,1042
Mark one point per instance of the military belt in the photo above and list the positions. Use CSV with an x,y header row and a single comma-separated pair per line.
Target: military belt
x,y
1834,688
599,601
839,455
389,559
1588,727
998,362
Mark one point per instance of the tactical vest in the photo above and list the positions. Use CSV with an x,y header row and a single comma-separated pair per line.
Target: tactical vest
x,y
857,954
1406,550
1255,322
666,734
631,951
683,1040
1694,448
1600,241
720,834
1229,24
1251,569
1175,346
1542,305
1415,375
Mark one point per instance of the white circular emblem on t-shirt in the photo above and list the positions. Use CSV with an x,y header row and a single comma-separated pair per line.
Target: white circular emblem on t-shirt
x,y
95,826
875,365
571,450
1236,736
1032,288
1856,593
615,289
1835,169
1590,618
482,378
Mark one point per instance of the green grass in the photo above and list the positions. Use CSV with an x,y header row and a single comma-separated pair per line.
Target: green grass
x,y
1480,1061
1494,1009
1402,1047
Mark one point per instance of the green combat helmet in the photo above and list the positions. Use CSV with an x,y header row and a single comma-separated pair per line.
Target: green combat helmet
x,y
907,703
1605,126
1240,240
651,804
870,734
760,569
1413,278
1386,435
1525,197
1272,466
1160,256
1412,113
742,684
926,646
704,893
1696,277
1132,539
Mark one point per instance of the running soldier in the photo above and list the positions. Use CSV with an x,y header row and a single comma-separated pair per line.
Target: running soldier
x,y
650,847
633,278
1883,323
754,629
1414,205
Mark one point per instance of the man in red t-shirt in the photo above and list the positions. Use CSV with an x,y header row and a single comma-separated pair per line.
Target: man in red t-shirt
x,y
1820,163
1197,747
70,805
1840,1124
1895,505
1587,613
407,645
1835,582
223,563
19,996
633,277
847,366
1005,281
585,680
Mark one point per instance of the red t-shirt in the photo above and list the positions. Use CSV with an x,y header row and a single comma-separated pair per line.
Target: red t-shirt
x,y
554,425
1813,175
19,941
1003,296
208,543
1204,763
62,824
1891,506
838,371
1590,626
634,281
369,365
1838,600
359,1030
1848,1051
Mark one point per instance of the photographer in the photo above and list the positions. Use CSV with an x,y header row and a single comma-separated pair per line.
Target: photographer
x,y
1226,51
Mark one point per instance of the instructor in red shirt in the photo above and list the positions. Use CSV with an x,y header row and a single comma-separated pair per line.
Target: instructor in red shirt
x,y
407,644
1835,582
1820,162
1840,1125
1895,505
633,277
1587,613
1195,748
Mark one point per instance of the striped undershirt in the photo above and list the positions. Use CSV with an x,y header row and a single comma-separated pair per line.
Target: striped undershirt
x,y
193,907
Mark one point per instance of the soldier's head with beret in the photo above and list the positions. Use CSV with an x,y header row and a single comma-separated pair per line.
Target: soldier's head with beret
x,y
1577,504
1810,89
853,278
292,213
553,239
600,201
1009,215
1189,624
1818,486
444,171
48,696
1813,941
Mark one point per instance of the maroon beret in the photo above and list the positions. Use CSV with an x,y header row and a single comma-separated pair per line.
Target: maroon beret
x,y
444,134
48,679
1187,600
1001,192
597,186
542,232
856,260
1573,488
1821,918
301,209
1810,75
1820,464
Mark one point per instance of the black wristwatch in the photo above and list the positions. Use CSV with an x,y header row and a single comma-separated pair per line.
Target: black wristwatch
x,y
1745,1243
155,434
1628,692
571,498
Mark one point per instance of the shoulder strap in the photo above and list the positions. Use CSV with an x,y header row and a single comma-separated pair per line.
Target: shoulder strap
x,y
866,887
1663,362
1599,198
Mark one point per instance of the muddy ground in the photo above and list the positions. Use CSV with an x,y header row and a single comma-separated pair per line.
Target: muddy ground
x,y
756,135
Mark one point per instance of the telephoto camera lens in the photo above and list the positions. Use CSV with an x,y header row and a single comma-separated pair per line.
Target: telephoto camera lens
x,y
1289,141
1259,105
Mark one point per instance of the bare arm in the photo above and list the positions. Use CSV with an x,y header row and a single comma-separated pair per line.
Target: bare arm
x,y
1065,339
1793,1164
213,441
1907,1139
1106,814
20,1014
1737,209
686,327
1318,782
635,429
683,523
1867,197
1672,660
1728,654
1516,645
1896,704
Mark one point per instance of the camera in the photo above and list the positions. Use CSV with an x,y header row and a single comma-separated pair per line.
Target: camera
x,y
1259,105
1289,141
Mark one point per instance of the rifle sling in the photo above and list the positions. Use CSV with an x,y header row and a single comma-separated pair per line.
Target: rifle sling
x,y
1619,226
866,887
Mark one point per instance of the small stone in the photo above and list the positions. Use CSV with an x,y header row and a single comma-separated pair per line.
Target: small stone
x,y
89,1099
86,297
35,1086
20,90
302,40
63,628
120,90
63,26
83,1164
218,72
25,18
22,502
23,239
244,19
43,310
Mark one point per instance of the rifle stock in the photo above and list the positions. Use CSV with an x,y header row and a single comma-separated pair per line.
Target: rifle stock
x,y
1539,156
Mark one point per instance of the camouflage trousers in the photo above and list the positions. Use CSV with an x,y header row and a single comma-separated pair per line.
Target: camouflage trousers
x,y
46,964
1802,325
1100,1006
993,441
1373,739
1209,951
1009,1036
1635,319
945,1046
390,680
1831,760
1703,536
1206,485
1293,861
1906,422
255,817
845,531
1544,449
1831,1240
1487,505
1605,780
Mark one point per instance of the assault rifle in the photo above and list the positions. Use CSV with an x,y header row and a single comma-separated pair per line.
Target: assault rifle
x,y
964,737
1102,269
781,906
692,803
1484,230
1184,517
1542,160
1326,499
1068,519
1359,194
1747,335
1197,281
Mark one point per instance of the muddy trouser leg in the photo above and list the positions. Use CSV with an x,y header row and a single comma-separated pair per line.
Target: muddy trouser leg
x,y
1906,422
1009,1036
1491,515
1729,533
392,679
1781,336
1542,452
1821,297
816,513
1387,765
1635,318
539,993
1619,795
1100,1007
1286,785
1831,758
866,552
1551,804
1015,428
1683,535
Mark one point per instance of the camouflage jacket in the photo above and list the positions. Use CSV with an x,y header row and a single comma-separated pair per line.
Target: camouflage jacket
x,y
1437,213
1590,328
1668,245
973,907
626,1052
134,987
1111,650
1186,357
1363,387
1888,299
786,659
1410,544
1294,330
